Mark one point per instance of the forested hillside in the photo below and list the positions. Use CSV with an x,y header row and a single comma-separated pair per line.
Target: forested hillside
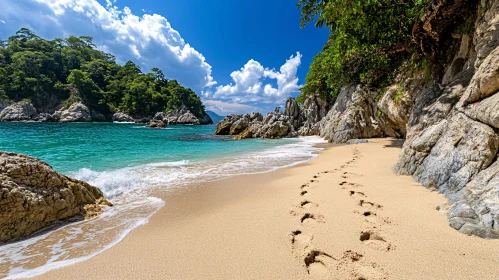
x,y
51,73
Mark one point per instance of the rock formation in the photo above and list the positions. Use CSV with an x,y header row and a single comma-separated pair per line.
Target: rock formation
x,y
156,124
274,125
34,196
122,117
315,108
182,115
452,144
353,116
77,112
20,111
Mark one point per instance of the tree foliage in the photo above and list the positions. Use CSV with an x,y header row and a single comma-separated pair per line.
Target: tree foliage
x,y
368,39
49,73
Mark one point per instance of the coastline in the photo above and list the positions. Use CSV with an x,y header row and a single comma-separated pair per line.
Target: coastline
x,y
242,227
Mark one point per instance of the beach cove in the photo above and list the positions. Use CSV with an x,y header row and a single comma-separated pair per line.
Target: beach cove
x,y
342,215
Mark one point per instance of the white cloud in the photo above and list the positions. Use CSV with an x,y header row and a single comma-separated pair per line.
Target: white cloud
x,y
149,39
225,108
250,83
2,21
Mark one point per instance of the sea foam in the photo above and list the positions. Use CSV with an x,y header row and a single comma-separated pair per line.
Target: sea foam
x,y
132,190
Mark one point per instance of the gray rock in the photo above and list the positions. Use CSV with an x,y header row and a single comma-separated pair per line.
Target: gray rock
x,y
353,116
122,117
34,196
314,109
182,115
396,103
20,111
77,112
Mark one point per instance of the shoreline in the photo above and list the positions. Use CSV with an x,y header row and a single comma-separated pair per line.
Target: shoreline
x,y
300,222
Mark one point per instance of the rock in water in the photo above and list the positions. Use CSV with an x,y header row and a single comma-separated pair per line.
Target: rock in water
x,y
122,117
77,112
156,124
33,196
20,111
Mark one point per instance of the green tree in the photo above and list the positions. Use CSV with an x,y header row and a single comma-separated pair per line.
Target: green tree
x,y
368,40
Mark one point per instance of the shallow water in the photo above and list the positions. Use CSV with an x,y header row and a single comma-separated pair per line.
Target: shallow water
x,y
132,165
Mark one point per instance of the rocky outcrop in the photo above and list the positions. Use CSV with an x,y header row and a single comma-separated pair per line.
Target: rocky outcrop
x,y
274,125
77,112
452,142
182,115
314,109
33,196
353,116
122,117
156,124
20,111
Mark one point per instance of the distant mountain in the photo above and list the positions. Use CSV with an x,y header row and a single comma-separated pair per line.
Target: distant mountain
x,y
216,118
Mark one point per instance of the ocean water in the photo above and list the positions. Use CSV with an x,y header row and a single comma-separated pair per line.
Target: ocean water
x,y
134,167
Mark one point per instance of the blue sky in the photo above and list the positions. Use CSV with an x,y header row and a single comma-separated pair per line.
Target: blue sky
x,y
239,56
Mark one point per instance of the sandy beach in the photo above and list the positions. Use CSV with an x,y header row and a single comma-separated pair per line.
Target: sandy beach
x,y
343,215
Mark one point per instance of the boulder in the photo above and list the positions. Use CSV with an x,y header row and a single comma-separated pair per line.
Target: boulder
x,y
397,100
156,124
314,109
223,127
122,117
353,116
77,112
33,196
182,115
275,125
20,111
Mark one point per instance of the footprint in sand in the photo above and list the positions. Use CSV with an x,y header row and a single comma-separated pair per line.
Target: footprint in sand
x,y
375,240
308,204
310,218
303,193
316,263
356,194
300,241
369,205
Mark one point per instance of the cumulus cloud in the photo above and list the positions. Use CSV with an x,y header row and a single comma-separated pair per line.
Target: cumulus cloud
x,y
149,39
2,21
255,84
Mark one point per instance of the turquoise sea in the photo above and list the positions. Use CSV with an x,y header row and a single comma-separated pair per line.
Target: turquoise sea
x,y
135,167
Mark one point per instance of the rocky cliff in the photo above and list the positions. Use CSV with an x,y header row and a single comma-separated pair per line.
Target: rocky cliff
x,y
449,118
33,196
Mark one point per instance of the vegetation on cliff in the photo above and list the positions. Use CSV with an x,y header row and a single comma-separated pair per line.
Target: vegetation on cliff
x,y
49,73
369,40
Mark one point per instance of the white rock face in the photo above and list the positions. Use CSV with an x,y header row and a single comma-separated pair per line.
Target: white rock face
x,y
122,117
77,112
20,111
